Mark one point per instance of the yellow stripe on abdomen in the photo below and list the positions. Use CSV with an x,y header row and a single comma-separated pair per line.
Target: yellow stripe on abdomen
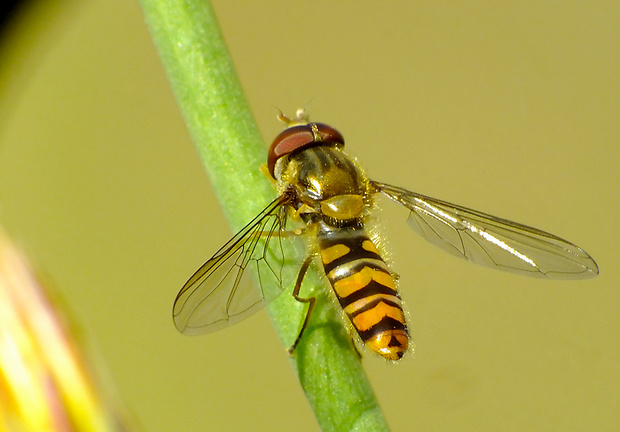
x,y
367,319
334,252
361,279
365,289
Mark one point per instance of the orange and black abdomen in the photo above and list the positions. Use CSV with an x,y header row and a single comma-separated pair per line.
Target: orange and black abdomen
x,y
365,289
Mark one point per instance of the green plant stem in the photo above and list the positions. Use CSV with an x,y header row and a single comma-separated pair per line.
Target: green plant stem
x,y
208,92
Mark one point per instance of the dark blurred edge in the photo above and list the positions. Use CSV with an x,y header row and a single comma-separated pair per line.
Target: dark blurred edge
x,y
8,11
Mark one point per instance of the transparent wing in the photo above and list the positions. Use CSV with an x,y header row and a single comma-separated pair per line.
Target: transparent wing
x,y
492,241
222,291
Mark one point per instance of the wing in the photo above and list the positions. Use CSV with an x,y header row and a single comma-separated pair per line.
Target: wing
x,y
492,241
222,291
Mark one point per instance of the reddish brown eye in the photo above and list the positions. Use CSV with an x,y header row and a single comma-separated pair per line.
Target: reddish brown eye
x,y
296,138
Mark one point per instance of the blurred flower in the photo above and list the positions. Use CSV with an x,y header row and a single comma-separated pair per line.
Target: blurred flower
x,y
44,383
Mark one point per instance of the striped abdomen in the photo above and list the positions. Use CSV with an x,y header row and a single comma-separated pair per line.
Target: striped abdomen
x,y
365,289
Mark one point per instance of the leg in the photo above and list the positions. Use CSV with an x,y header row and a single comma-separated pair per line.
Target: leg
x,y
311,300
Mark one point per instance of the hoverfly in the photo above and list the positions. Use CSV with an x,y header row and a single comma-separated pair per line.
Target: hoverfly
x,y
330,197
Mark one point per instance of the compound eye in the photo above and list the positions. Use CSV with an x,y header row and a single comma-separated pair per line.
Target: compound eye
x,y
288,141
299,137
327,133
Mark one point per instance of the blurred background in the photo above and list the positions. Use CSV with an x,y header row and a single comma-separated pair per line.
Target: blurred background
x,y
509,108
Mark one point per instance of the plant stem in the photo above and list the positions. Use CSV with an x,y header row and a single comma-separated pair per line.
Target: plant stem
x,y
208,92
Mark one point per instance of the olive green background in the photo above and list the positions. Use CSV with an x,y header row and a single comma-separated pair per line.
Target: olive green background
x,y
512,108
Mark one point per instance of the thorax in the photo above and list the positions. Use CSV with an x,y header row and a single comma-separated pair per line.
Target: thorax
x,y
328,185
